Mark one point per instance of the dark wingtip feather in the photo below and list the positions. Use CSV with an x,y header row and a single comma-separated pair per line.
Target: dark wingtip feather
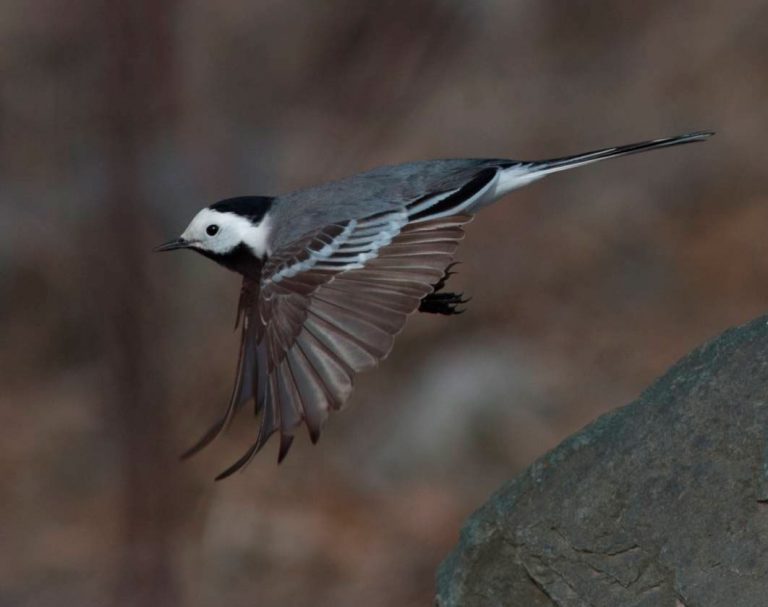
x,y
205,440
286,440
229,471
246,457
234,467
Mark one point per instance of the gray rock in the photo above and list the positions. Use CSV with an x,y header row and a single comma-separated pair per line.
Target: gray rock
x,y
662,503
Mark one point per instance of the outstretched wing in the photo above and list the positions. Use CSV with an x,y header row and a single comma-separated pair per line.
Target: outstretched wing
x,y
329,306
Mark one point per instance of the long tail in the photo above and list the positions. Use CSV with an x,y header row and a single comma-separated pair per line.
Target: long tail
x,y
569,162
518,174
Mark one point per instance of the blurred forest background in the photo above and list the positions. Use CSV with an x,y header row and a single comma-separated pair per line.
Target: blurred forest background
x,y
119,120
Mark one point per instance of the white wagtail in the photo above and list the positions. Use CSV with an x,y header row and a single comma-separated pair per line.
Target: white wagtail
x,y
331,273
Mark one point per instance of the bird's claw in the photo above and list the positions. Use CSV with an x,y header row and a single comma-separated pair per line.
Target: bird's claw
x,y
444,303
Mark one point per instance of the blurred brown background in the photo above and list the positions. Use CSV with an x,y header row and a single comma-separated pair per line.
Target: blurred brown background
x,y
118,121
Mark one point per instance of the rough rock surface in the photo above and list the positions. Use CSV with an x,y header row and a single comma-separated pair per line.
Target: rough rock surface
x,y
662,503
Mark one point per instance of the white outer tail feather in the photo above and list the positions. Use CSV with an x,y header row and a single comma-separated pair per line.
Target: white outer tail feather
x,y
519,175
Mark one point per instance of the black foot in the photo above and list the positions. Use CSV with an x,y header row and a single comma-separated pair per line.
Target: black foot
x,y
439,302
443,303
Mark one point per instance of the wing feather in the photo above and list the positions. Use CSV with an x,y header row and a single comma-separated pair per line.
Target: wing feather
x,y
350,349
314,393
335,373
330,306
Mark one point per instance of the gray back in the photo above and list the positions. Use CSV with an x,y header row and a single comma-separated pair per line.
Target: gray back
x,y
381,189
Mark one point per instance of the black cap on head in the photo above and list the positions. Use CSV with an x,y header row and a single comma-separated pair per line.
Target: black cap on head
x,y
252,207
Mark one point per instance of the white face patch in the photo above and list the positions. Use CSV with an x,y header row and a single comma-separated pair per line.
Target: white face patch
x,y
231,230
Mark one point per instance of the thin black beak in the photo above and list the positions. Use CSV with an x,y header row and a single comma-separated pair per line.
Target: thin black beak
x,y
172,245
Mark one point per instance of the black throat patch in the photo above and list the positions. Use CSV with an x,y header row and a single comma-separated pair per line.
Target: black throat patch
x,y
240,259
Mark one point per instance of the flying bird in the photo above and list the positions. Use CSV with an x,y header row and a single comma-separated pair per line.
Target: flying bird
x,y
331,273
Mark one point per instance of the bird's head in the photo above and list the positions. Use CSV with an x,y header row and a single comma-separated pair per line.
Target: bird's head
x,y
233,232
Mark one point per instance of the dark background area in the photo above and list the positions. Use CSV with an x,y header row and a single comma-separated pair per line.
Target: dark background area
x,y
118,121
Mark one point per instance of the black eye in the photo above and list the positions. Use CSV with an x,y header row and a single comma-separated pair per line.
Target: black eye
x,y
212,229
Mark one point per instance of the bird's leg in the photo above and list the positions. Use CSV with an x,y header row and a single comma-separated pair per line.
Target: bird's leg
x,y
443,302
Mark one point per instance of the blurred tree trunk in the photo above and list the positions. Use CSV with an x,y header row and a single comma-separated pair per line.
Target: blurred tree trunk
x,y
138,98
